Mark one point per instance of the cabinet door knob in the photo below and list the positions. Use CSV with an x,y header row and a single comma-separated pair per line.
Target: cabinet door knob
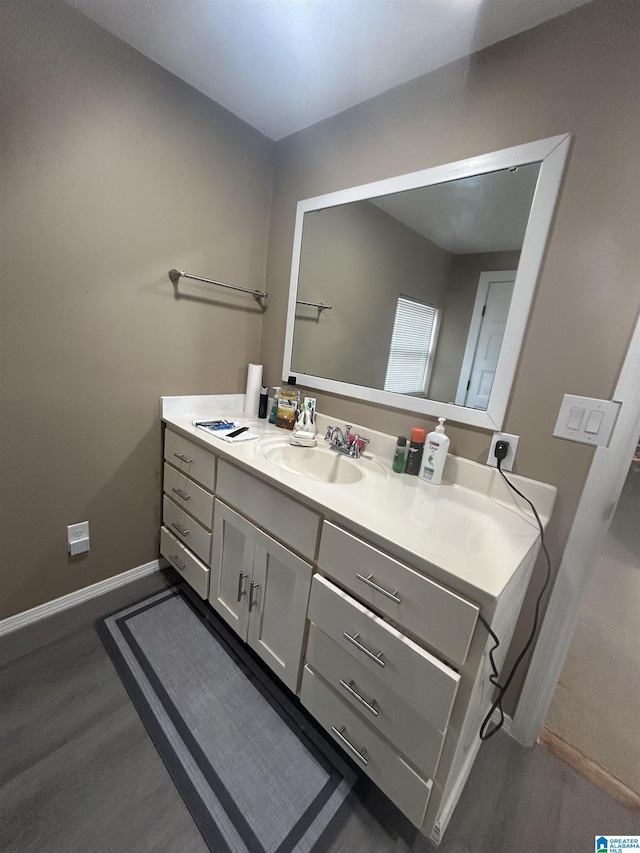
x,y
241,592
179,528
177,563
253,587
184,458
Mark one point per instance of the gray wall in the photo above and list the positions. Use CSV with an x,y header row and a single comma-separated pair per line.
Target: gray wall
x,y
373,258
576,74
113,171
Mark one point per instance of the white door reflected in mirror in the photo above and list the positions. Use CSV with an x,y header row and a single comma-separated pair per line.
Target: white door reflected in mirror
x,y
486,333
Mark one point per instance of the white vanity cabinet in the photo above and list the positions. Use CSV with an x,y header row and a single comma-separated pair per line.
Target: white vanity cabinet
x,y
390,659
261,589
396,665
189,474
377,684
442,619
190,567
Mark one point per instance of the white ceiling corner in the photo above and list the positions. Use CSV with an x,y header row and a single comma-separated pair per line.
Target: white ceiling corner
x,y
283,65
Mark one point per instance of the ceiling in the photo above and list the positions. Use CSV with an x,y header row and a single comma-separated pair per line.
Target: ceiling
x,y
283,65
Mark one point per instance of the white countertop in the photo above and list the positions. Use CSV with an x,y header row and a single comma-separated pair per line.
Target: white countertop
x,y
472,534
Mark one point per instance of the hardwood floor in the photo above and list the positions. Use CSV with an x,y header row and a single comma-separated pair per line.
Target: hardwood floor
x,y
79,773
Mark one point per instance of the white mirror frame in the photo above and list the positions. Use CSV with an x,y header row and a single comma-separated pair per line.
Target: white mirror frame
x,y
552,154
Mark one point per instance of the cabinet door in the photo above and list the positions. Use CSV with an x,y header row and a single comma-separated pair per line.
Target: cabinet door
x,y
279,596
231,564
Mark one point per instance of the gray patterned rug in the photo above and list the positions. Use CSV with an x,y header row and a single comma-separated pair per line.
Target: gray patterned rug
x,y
252,770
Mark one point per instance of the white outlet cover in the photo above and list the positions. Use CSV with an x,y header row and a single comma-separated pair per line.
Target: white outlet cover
x,y
507,462
77,531
78,538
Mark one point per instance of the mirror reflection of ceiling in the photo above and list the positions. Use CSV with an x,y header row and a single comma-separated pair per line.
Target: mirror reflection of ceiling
x,y
436,245
484,213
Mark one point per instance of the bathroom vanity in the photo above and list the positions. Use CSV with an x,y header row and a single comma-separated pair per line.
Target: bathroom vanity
x,y
360,588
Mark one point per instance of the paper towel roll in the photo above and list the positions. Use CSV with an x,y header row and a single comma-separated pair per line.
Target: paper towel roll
x,y
252,395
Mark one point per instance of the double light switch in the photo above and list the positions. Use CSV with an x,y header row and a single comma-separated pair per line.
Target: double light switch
x,y
586,419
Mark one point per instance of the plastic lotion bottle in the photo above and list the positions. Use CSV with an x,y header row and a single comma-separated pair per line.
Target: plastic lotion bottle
x,y
435,454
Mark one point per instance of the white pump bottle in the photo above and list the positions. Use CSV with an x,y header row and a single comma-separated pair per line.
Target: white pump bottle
x,y
435,454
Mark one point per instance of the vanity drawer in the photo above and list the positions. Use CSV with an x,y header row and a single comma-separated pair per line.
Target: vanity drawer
x,y
401,665
196,462
444,620
283,517
187,529
382,708
378,759
191,569
189,495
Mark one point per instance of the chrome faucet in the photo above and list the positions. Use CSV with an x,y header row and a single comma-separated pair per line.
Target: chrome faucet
x,y
337,437
342,442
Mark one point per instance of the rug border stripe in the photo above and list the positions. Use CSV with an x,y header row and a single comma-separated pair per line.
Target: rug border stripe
x,y
188,792
205,767
199,810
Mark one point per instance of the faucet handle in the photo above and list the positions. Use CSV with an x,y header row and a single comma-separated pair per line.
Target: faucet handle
x,y
354,448
329,433
347,431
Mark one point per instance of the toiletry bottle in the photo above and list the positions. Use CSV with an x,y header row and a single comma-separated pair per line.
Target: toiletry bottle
x,y
309,404
400,456
435,454
414,454
273,414
288,404
263,402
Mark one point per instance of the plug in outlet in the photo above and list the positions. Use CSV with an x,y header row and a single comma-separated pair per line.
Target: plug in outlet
x,y
507,462
78,538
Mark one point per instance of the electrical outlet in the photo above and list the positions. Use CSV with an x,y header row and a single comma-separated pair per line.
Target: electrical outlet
x,y
507,462
78,538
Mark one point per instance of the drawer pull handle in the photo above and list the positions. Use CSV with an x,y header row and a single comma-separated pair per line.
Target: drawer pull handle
x,y
252,601
241,592
374,657
181,494
370,706
177,563
339,733
184,458
368,580
179,528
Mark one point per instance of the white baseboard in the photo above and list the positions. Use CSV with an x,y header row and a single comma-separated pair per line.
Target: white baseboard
x,y
12,623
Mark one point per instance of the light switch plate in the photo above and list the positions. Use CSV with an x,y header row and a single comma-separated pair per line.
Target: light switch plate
x,y
586,419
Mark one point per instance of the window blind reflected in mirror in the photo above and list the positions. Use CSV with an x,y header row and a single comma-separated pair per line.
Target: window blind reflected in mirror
x,y
413,341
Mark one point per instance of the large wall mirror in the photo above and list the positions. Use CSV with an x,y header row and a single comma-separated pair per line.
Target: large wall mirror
x,y
414,292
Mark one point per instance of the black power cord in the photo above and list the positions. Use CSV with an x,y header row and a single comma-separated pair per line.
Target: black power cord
x,y
501,449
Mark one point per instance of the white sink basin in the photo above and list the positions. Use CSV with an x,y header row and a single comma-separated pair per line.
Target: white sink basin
x,y
318,463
